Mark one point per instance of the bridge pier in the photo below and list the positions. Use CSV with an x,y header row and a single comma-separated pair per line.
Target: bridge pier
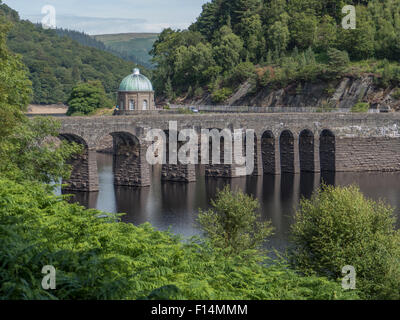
x,y
258,164
316,159
178,173
130,165
84,176
296,156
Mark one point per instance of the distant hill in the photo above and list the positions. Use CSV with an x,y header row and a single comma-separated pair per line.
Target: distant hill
x,y
90,41
128,44
57,63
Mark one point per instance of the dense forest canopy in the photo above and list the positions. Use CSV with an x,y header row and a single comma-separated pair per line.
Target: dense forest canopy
x,y
230,37
57,63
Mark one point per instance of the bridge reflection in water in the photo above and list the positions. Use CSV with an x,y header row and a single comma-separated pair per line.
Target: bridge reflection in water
x,y
175,205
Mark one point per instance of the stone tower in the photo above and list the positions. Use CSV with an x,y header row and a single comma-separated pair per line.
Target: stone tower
x,y
135,94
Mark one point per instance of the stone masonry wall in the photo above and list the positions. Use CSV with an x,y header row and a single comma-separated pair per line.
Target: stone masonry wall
x,y
361,142
368,154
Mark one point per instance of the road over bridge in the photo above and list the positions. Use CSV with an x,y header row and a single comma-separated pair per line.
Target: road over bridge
x,y
309,142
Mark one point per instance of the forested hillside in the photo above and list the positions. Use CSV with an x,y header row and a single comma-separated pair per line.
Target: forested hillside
x,y
274,43
58,63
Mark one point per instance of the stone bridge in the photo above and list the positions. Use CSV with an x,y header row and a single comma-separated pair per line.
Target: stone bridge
x,y
285,143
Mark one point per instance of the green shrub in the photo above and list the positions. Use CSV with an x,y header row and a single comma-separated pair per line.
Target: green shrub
x,y
340,227
221,95
360,107
198,92
242,72
396,94
184,111
234,222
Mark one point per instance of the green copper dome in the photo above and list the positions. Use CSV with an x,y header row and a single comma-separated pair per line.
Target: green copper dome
x,y
136,82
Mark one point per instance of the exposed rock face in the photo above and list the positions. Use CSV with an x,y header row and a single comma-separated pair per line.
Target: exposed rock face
x,y
342,93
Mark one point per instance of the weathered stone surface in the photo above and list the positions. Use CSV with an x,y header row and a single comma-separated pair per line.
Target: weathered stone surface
x,y
84,176
311,142
342,93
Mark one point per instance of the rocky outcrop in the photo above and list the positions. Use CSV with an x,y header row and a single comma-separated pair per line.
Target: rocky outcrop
x,y
341,93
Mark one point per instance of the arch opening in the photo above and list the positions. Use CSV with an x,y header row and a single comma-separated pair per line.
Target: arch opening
x,y
327,150
306,150
268,152
286,142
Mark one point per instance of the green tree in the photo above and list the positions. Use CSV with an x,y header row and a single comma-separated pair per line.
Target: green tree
x,y
227,48
87,97
303,28
338,61
251,30
169,91
340,227
32,153
24,153
326,34
279,36
15,87
360,42
234,223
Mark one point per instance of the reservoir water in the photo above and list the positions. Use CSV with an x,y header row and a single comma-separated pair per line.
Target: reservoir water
x,y
175,206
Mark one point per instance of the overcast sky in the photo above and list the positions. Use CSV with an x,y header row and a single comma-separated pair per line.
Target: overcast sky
x,y
113,16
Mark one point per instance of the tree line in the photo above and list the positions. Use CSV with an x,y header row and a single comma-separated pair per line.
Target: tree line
x,y
275,41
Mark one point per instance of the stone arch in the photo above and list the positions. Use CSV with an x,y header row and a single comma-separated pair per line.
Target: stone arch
x,y
130,166
286,144
268,152
84,176
327,151
306,151
72,137
105,143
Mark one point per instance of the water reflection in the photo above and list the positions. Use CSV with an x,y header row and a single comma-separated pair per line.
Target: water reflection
x,y
175,205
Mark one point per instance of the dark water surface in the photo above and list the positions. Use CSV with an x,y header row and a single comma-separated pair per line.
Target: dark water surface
x,y
175,205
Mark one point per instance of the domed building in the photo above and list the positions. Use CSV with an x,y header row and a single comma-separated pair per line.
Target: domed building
x,y
135,93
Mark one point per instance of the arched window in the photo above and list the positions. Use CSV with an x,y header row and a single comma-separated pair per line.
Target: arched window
x,y
122,105
131,105
144,104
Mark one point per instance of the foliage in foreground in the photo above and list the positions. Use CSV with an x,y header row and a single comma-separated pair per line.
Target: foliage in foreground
x,y
98,258
340,227
234,223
